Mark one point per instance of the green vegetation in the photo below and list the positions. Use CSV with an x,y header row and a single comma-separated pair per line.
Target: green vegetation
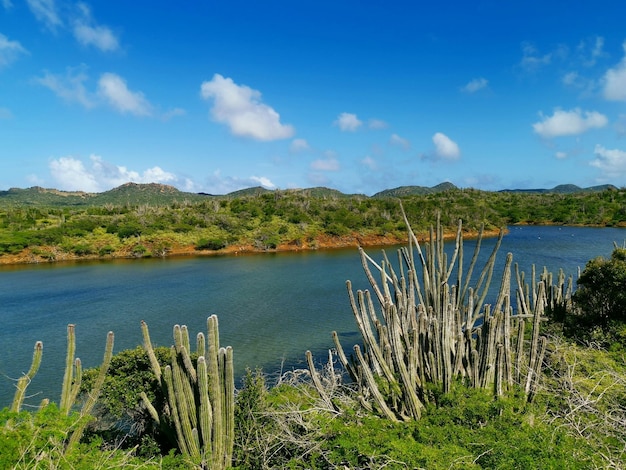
x,y
428,334
597,310
200,396
157,220
439,381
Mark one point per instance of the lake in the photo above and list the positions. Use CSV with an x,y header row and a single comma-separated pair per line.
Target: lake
x,y
272,307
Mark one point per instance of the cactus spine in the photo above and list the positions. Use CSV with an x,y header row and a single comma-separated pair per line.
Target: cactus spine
x,y
435,331
201,397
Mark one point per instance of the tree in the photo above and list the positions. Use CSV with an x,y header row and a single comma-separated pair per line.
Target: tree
x,y
601,297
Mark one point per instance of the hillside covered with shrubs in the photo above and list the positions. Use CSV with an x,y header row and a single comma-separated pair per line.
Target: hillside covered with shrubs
x,y
156,220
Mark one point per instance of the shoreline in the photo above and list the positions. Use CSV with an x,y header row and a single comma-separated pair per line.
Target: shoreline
x,y
323,242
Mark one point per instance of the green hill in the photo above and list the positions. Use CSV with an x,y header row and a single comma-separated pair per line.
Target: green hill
x,y
403,191
162,194
564,189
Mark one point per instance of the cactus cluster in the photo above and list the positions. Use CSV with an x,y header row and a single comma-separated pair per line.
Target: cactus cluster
x,y
433,327
71,382
200,396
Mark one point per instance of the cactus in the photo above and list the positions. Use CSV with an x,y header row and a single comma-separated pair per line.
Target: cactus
x,y
25,380
94,393
438,329
71,383
201,397
73,373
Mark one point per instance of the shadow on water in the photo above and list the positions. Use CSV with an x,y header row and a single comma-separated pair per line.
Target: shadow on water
x,y
271,307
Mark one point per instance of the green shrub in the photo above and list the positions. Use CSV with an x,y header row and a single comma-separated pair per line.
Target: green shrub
x,y
106,250
600,301
211,244
129,229
37,440
121,416
469,429
139,251
82,249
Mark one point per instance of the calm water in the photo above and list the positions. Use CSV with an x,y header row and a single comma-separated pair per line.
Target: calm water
x,y
271,307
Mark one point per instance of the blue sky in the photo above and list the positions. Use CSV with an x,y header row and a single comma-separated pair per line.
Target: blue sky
x,y
358,96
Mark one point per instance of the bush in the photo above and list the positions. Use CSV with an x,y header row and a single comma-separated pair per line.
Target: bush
x,y
106,250
600,300
468,429
121,416
211,244
38,440
82,249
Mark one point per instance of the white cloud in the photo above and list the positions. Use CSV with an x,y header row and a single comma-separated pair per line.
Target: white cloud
x,y
531,59
299,145
7,4
612,163
263,181
370,163
377,124
5,113
560,155
71,174
330,163
113,89
218,184
615,81
395,139
88,33
572,122
571,78
590,51
9,50
69,87
348,122
240,107
445,147
476,84
46,12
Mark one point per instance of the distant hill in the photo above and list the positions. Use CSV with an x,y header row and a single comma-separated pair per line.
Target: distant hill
x,y
322,192
151,193
38,196
255,191
129,193
162,194
564,189
403,191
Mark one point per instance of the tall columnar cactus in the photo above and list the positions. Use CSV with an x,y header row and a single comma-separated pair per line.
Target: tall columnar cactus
x,y
200,396
71,388
71,382
73,373
433,327
25,380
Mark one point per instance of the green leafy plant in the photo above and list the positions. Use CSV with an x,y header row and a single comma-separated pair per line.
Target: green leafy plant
x,y
600,299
